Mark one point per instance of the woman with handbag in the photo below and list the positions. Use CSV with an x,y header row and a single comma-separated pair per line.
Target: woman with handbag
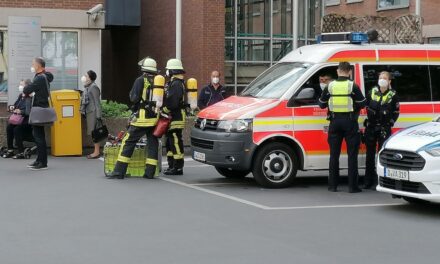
x,y
40,87
18,126
91,109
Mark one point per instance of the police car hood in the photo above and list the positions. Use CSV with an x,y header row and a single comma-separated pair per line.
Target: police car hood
x,y
237,107
416,137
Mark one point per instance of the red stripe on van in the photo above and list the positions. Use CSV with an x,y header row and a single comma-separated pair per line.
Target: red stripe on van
x,y
353,55
403,55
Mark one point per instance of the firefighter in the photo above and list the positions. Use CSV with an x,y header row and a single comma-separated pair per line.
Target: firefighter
x,y
174,105
143,121
344,100
382,112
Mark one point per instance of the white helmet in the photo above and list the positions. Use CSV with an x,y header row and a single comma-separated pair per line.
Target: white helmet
x,y
148,64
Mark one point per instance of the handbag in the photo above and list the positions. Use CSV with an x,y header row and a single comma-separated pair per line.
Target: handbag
x,y
16,119
41,116
100,132
162,126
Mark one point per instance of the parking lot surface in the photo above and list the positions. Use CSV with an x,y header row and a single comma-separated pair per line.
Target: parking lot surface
x,y
73,214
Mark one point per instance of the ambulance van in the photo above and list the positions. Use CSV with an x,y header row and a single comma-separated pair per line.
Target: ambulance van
x,y
275,127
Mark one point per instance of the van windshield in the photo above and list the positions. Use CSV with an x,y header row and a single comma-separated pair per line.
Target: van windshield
x,y
274,82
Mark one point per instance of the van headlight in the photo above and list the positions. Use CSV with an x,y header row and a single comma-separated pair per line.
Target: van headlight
x,y
239,125
433,149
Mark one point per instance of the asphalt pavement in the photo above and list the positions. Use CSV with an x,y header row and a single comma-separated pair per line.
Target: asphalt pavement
x,y
72,214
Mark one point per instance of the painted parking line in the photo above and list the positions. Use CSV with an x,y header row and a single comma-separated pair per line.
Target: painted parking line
x,y
265,207
218,183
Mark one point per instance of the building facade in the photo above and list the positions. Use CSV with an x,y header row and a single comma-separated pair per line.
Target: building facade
x,y
71,39
393,8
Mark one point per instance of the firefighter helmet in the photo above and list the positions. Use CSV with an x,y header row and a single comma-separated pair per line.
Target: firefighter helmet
x,y
148,65
174,64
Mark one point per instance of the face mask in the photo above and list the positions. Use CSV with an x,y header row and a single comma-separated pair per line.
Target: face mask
x,y
167,73
84,79
20,88
323,86
33,70
382,83
215,80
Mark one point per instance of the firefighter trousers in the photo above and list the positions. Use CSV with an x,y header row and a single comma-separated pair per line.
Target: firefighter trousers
x,y
374,138
134,134
175,150
348,129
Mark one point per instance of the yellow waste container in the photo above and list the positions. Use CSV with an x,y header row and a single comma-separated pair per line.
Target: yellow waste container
x,y
66,138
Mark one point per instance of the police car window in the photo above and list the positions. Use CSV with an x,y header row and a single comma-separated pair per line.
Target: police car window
x,y
435,81
410,81
275,81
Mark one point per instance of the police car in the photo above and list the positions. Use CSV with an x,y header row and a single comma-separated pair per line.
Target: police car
x,y
409,164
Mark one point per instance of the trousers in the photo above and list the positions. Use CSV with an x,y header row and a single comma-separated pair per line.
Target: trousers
x,y
174,148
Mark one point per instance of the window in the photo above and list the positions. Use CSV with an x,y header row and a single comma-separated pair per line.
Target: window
x,y
60,49
327,73
434,40
274,82
410,81
3,66
435,81
354,1
332,2
392,4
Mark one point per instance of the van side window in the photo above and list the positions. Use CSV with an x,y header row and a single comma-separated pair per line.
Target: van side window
x,y
410,81
325,74
435,81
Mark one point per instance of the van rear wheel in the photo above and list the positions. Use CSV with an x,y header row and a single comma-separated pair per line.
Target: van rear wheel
x,y
275,166
231,174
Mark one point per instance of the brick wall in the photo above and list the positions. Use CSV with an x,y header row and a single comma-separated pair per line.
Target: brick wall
x,y
58,4
429,10
202,35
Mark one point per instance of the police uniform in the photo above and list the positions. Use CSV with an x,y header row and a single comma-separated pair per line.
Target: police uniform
x,y
344,100
174,105
143,122
383,109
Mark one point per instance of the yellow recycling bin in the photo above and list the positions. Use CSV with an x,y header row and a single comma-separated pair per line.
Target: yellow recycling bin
x,y
66,138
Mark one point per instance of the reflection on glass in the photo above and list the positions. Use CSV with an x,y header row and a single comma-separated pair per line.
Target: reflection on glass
x,y
275,81
229,18
247,72
229,73
253,50
60,49
253,18
3,66
281,48
282,18
229,49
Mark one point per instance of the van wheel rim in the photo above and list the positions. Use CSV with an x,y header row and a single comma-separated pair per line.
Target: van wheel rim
x,y
277,166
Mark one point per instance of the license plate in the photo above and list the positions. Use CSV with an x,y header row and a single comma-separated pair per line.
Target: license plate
x,y
397,174
199,156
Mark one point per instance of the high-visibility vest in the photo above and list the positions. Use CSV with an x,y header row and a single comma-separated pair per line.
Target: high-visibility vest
x,y
143,120
340,96
376,95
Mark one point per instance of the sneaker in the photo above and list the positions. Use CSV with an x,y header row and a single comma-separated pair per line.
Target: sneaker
x,y
33,164
39,166
8,154
19,156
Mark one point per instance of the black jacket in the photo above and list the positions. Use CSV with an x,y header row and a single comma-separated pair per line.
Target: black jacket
x,y
359,100
382,114
136,95
40,87
209,96
175,99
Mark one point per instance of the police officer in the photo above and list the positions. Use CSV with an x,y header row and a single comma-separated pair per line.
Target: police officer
x,y
174,105
383,109
344,101
143,122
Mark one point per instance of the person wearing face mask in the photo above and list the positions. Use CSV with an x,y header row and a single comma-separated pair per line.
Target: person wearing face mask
x,y
21,131
91,107
40,88
212,93
382,113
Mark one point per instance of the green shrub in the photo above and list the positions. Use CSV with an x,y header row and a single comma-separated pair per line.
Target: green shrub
x,y
114,109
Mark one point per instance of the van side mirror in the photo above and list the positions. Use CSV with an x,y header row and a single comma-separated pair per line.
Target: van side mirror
x,y
305,96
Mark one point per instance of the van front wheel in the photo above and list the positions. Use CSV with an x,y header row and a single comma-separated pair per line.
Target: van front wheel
x,y
275,166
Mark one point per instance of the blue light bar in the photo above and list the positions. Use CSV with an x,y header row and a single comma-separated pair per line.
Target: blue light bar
x,y
343,37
